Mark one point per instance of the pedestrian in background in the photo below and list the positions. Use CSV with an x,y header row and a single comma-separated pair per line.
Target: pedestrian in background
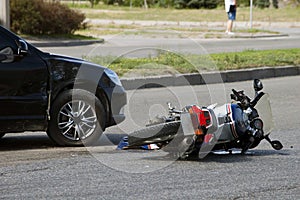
x,y
230,7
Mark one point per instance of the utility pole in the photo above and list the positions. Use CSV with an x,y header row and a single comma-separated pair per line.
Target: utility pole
x,y
4,13
145,4
251,13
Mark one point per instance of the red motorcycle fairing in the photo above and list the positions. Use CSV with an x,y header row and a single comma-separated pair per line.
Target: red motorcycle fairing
x,y
201,119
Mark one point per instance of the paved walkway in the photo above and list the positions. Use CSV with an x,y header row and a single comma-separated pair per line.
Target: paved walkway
x,y
158,28
237,24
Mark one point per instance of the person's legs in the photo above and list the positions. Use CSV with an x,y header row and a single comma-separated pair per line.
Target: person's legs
x,y
229,26
231,18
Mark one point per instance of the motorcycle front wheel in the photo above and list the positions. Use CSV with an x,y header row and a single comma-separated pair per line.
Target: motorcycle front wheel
x,y
255,144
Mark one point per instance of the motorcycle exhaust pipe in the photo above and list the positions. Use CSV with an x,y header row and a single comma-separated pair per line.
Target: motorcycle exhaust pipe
x,y
188,141
186,145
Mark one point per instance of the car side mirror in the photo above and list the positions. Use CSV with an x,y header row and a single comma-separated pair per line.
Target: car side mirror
x,y
22,48
257,84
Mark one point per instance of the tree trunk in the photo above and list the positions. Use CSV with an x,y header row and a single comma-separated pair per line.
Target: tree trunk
x,y
145,4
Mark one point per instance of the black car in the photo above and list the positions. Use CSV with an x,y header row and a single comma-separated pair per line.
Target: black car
x,y
73,100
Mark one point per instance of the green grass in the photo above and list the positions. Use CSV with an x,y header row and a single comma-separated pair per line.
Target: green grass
x,y
170,63
205,16
169,32
179,31
288,14
253,59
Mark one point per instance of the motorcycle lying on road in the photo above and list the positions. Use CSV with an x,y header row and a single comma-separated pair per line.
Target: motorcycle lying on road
x,y
241,124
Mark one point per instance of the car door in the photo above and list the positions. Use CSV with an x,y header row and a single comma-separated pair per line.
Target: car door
x,y
23,86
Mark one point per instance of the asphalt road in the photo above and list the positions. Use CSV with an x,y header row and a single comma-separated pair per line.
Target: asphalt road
x,y
138,46
31,167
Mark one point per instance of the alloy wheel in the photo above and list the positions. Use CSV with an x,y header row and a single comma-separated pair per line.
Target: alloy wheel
x,y
77,120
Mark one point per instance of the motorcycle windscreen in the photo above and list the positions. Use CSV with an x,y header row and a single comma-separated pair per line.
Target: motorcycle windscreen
x,y
265,113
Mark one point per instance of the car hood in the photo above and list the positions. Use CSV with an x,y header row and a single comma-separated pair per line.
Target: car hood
x,y
71,62
64,58
64,68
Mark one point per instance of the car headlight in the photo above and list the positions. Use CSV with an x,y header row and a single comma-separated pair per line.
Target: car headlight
x,y
113,76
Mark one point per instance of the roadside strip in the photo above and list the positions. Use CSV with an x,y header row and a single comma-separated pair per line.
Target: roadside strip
x,y
64,43
209,77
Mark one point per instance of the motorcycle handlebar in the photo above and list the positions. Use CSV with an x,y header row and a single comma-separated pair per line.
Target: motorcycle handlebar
x,y
240,97
237,95
173,109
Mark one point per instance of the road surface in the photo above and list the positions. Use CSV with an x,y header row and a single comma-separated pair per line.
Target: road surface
x,y
31,167
138,46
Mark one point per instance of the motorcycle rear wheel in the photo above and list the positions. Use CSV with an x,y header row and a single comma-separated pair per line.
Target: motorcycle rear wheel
x,y
154,134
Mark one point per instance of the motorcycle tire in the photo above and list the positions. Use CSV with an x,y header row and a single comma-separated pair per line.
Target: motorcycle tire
x,y
154,134
255,144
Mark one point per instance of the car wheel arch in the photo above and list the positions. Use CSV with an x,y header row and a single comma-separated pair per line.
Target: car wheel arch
x,y
100,94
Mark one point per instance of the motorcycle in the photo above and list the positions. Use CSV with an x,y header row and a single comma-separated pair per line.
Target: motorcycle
x,y
239,125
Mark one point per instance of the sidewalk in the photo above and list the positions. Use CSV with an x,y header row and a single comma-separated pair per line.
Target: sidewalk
x,y
209,30
269,27
237,24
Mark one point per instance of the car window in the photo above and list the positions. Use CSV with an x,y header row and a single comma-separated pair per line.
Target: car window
x,y
8,47
9,55
6,42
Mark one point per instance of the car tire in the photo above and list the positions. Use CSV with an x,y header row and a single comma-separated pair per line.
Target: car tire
x,y
77,118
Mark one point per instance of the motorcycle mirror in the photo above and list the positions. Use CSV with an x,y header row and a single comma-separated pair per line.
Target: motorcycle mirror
x,y
276,145
257,84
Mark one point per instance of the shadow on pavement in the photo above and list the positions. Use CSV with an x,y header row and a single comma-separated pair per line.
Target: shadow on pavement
x,y
26,141
225,158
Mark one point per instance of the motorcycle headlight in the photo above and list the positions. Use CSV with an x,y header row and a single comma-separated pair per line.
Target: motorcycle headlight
x,y
113,76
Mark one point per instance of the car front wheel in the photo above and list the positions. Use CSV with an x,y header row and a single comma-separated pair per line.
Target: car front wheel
x,y
77,117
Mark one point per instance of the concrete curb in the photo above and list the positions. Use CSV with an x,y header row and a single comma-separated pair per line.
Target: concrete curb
x,y
69,43
209,77
64,43
261,36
